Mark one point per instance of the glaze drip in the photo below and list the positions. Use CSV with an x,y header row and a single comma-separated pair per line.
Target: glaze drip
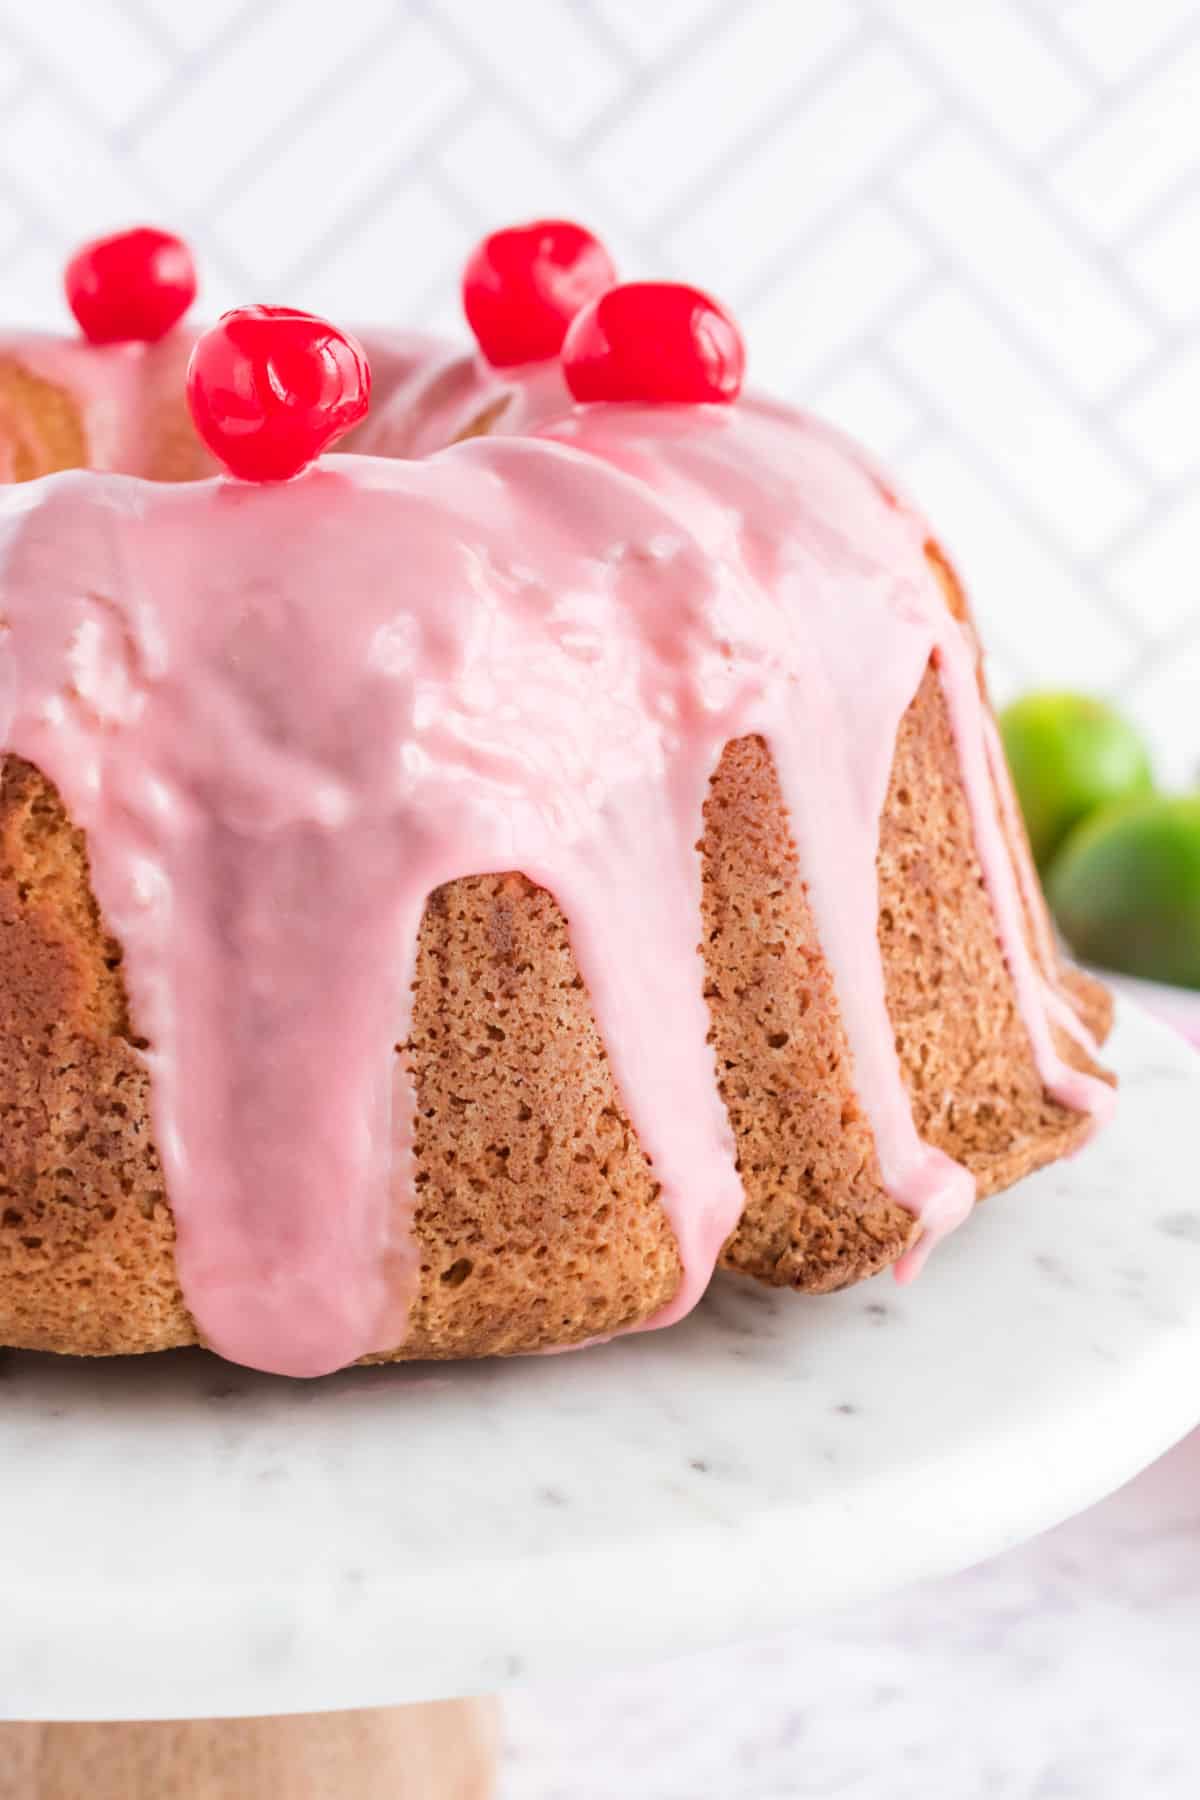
x,y
284,715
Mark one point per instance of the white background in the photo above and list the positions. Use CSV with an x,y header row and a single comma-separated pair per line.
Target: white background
x,y
969,230
966,229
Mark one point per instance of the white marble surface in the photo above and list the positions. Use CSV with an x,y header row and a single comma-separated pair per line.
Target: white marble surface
x,y
1066,1669
187,1538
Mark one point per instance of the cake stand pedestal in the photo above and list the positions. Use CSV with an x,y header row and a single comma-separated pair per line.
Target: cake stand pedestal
x,y
180,1539
444,1750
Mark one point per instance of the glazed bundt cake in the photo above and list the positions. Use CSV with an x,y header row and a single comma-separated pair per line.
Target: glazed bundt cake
x,y
455,897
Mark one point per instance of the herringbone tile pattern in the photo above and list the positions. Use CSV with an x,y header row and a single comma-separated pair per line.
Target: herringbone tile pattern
x,y
969,233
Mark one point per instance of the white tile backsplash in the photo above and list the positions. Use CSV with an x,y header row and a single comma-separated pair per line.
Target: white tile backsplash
x,y
1114,38
678,133
997,63
838,297
1156,574
1008,244
1136,148
103,40
1009,407
1161,421
296,203
235,112
567,76
806,172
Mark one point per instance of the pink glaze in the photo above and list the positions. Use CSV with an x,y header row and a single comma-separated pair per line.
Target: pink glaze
x,y
284,714
118,389
443,397
1059,1006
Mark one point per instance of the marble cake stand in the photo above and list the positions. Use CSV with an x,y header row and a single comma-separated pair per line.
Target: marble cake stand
x,y
181,1539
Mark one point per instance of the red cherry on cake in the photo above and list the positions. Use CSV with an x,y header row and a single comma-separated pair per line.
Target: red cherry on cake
x,y
523,286
271,387
654,340
132,286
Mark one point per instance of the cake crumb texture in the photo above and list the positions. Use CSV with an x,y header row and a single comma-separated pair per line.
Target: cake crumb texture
x,y
41,429
537,1217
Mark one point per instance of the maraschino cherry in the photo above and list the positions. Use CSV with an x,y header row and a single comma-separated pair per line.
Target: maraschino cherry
x,y
132,286
271,387
523,286
653,340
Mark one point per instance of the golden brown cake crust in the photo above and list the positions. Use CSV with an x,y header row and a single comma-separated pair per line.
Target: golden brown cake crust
x,y
41,429
86,1236
537,1216
817,1216
962,1044
816,1212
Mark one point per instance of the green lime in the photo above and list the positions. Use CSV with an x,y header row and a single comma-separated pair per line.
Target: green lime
x,y
1069,755
1126,888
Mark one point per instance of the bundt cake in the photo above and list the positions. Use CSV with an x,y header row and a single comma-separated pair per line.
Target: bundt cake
x,y
457,896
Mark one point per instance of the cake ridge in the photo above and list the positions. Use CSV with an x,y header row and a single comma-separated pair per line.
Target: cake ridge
x,y
590,612
457,891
